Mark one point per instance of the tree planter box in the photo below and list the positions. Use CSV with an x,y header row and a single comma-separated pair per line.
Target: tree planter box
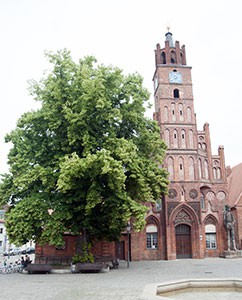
x,y
95,267
38,268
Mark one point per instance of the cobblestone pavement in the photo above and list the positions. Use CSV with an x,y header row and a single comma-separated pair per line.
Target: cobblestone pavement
x,y
121,284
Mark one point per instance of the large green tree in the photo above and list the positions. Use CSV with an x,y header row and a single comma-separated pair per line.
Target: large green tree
x,y
89,154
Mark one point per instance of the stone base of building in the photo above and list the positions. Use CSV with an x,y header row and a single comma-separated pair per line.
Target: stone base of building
x,y
232,254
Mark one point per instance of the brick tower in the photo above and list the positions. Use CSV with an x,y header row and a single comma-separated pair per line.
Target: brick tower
x,y
193,210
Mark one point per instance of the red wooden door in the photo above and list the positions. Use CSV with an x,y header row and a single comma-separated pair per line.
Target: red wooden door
x,y
183,241
120,250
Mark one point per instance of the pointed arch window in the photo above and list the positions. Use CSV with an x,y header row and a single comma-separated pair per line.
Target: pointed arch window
x,y
191,145
191,169
173,57
175,139
183,138
181,169
200,168
202,202
211,239
163,58
167,137
218,173
176,93
181,116
189,114
166,113
206,169
151,236
170,163
173,110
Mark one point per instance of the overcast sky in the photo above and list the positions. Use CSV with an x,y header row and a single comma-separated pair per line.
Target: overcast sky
x,y
124,34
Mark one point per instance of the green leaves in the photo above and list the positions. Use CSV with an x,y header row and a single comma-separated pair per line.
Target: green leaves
x,y
88,153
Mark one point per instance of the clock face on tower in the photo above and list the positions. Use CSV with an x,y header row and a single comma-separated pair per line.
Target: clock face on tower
x,y
175,77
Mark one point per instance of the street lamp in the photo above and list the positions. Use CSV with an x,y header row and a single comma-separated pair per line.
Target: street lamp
x,y
128,228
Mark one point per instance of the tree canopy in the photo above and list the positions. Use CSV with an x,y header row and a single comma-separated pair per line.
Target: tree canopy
x,y
89,154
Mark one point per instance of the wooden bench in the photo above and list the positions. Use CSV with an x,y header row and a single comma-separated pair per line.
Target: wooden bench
x,y
111,260
38,268
90,267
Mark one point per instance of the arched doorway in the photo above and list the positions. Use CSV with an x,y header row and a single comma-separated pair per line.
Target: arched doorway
x,y
183,241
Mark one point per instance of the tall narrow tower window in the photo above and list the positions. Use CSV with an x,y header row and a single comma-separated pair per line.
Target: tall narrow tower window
x,y
183,139
173,57
181,112
181,169
206,169
163,58
218,173
176,93
171,168
166,114
191,169
190,138
167,137
175,143
173,112
200,168
189,114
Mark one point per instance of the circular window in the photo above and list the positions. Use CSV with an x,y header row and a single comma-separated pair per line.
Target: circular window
x,y
221,195
172,193
193,194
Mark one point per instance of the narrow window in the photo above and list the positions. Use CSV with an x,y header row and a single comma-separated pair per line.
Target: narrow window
x,y
173,57
166,115
173,109
191,169
176,93
202,201
181,169
170,163
163,58
211,241
183,139
167,137
151,237
206,169
181,112
189,114
218,173
191,138
175,142
200,168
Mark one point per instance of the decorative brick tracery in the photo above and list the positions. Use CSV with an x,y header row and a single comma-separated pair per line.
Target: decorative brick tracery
x,y
182,217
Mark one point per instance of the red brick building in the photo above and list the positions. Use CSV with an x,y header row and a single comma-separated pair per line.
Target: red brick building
x,y
235,200
189,221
